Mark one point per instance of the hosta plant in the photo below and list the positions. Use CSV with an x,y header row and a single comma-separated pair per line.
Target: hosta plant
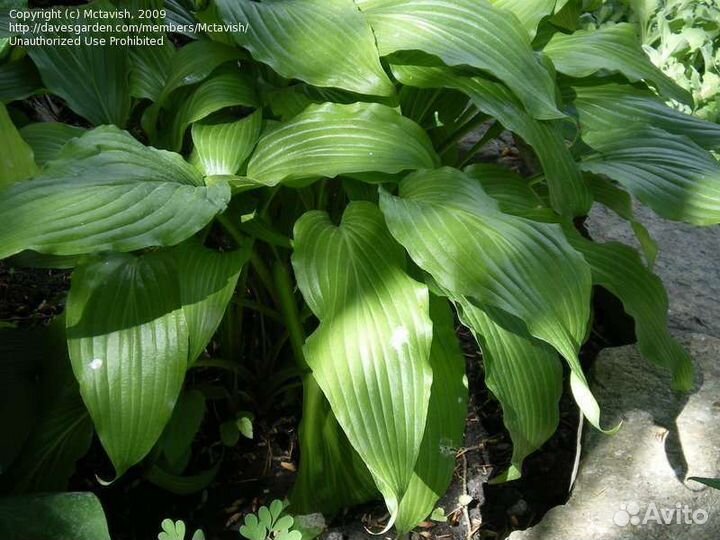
x,y
310,171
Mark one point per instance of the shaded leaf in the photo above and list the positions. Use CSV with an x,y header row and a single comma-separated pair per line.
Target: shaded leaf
x,y
18,161
48,138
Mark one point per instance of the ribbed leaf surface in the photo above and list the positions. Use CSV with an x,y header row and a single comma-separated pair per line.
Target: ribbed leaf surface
x,y
612,48
323,42
128,343
331,139
18,80
525,376
466,32
528,12
610,106
107,192
47,139
455,232
619,269
370,355
568,193
669,173
445,421
221,149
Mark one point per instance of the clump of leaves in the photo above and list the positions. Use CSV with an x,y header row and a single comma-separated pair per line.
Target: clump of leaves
x,y
270,524
293,204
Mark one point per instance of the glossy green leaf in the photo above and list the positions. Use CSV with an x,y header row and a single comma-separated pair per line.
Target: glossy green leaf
x,y
614,48
150,69
228,89
454,231
609,106
510,190
18,80
619,269
207,281
18,162
92,79
60,516
323,42
222,148
669,173
48,138
466,32
352,277
568,193
525,376
331,139
128,342
445,425
107,191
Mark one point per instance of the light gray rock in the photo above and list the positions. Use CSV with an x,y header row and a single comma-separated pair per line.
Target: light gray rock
x,y
665,438
688,264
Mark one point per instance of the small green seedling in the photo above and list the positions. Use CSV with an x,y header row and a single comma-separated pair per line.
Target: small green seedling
x,y
270,524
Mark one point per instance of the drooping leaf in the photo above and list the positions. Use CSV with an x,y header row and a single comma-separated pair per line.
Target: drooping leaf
x,y
323,42
182,485
525,376
609,106
512,192
352,277
457,234
150,69
92,79
711,482
182,428
106,191
614,48
466,32
222,148
669,173
58,516
619,269
18,162
568,193
128,342
18,80
330,139
445,422
47,139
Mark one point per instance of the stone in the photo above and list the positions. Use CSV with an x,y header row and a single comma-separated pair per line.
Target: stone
x,y
688,264
629,484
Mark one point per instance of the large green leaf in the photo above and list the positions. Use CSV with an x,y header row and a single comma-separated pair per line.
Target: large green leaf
x,y
92,79
128,342
47,139
228,89
619,269
107,191
60,432
568,193
612,48
331,476
445,422
323,42
525,376
466,32
207,281
669,173
610,106
61,516
223,148
150,69
455,232
352,277
331,139
17,162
